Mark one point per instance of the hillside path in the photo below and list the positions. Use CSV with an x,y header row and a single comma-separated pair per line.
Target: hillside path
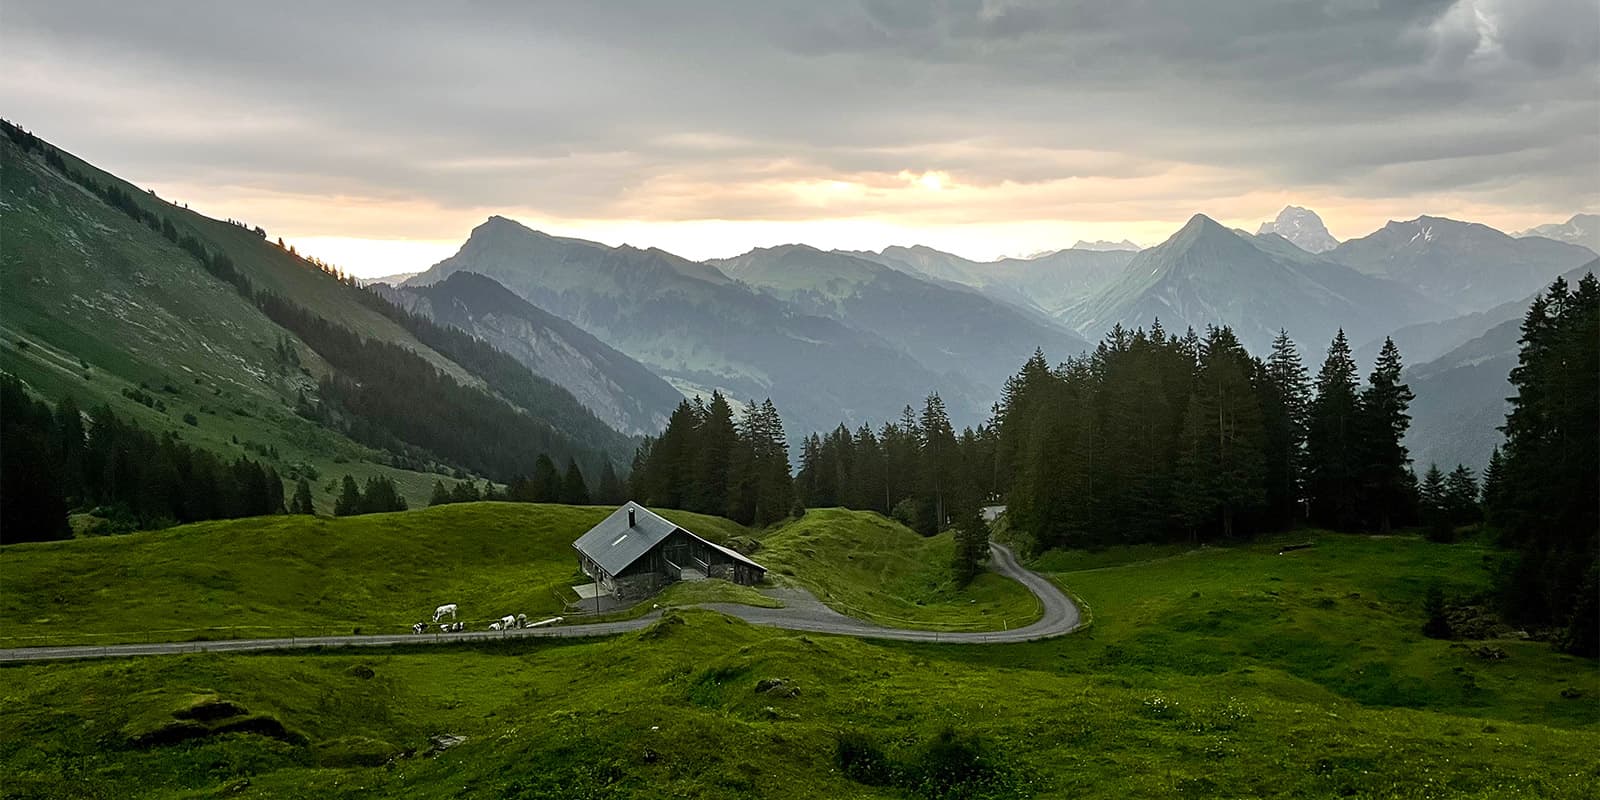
x,y
802,612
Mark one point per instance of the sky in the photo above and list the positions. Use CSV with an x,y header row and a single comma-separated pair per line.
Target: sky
x,y
376,135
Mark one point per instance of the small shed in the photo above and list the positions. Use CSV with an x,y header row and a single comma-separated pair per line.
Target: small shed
x,y
635,552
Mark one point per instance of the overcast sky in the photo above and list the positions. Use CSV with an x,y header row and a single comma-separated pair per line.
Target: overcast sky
x,y
378,134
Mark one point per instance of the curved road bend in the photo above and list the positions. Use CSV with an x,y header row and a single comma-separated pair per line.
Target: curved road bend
x,y
802,612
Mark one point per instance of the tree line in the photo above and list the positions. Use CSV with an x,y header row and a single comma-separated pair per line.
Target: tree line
x,y
706,461
1541,494
55,459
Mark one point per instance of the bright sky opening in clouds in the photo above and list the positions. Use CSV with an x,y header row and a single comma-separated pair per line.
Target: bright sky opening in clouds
x,y
377,135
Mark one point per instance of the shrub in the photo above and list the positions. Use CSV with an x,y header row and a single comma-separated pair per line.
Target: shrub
x,y
861,759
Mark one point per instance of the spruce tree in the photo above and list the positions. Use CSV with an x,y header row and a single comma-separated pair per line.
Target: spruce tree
x,y
1493,487
712,457
1383,417
302,502
440,496
574,491
349,501
609,491
1461,496
938,462
545,481
1285,399
1333,456
1222,467
1547,509
971,543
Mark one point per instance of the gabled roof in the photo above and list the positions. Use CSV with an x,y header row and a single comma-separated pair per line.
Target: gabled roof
x,y
613,545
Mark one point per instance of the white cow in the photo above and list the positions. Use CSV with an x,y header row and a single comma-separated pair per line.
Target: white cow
x,y
419,627
508,622
494,626
522,620
446,610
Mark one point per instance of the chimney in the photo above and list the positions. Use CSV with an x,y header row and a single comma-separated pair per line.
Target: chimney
x,y
630,517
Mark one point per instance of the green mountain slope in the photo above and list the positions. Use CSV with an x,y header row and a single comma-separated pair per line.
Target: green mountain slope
x,y
976,340
698,328
624,393
105,299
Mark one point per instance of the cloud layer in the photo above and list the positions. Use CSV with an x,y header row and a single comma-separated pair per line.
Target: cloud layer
x,y
985,120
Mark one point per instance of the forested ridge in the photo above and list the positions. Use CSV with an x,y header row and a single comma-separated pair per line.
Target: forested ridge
x,y
385,395
53,459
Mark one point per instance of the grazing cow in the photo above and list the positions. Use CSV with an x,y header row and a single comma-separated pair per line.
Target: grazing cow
x,y
458,627
508,622
494,626
446,627
446,610
522,620
419,627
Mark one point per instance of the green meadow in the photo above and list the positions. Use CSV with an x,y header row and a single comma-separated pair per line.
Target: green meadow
x,y
1221,672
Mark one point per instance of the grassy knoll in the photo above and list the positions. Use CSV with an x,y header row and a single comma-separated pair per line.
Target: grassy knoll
x,y
1345,615
283,575
871,567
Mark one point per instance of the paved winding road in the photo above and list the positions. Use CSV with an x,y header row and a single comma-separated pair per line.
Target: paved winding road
x,y
801,612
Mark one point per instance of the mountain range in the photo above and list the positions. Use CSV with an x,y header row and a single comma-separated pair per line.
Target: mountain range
x,y
701,330
593,344
1207,274
970,338
1470,266
1581,229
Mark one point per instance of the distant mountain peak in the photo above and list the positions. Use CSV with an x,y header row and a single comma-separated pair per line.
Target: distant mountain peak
x,y
1101,245
1582,230
1303,228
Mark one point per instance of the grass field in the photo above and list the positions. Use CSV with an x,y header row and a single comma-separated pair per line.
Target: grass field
x,y
283,575
1223,672
379,573
871,567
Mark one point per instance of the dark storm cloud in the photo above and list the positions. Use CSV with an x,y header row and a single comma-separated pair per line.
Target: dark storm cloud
x,y
575,108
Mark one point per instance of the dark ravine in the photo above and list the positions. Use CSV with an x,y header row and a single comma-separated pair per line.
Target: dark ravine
x,y
1060,617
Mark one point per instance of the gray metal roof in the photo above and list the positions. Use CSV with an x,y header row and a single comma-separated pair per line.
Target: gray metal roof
x,y
613,545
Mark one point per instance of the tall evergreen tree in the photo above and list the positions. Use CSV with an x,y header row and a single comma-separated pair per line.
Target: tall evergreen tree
x,y
1461,496
971,543
1333,453
574,491
302,503
545,483
1382,419
609,491
1222,466
712,457
1285,399
939,456
1547,509
350,501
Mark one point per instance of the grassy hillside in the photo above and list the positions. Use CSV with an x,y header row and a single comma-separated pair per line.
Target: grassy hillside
x,y
379,573
303,576
1221,673
106,300
96,304
871,567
